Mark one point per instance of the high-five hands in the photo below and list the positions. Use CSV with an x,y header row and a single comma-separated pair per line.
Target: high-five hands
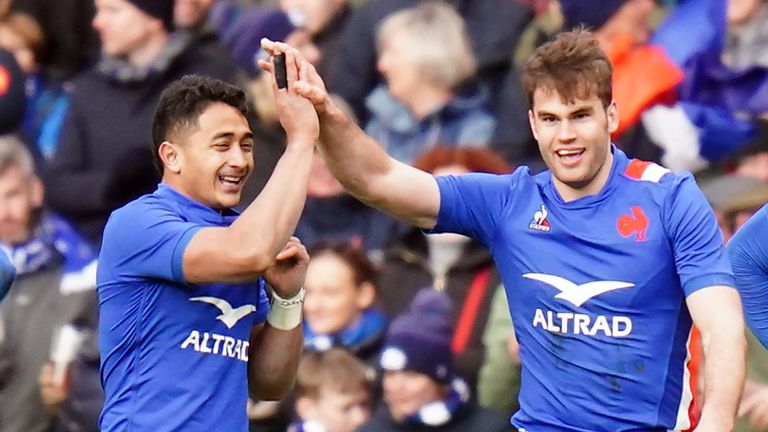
x,y
297,114
307,82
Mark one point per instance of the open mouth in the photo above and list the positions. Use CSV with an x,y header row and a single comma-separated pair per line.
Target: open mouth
x,y
570,156
231,182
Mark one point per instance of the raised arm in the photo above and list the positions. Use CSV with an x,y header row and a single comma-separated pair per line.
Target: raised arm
x,y
245,249
716,311
364,169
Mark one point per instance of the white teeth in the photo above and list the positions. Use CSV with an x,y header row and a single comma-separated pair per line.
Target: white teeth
x,y
231,179
568,152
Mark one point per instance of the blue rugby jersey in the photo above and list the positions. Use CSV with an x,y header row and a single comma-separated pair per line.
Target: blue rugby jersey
x,y
596,289
173,355
749,255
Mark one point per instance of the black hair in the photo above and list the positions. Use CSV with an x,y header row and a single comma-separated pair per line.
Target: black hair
x,y
182,102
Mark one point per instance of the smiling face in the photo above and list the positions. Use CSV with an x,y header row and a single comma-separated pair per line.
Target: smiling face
x,y
405,392
211,161
333,301
575,141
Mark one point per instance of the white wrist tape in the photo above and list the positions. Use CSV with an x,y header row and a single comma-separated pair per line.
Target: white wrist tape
x,y
285,314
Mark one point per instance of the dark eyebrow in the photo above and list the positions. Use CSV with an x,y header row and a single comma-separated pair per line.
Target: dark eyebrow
x,y
544,113
583,110
231,135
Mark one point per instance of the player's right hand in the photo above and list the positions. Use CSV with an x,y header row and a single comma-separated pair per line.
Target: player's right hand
x,y
296,112
310,84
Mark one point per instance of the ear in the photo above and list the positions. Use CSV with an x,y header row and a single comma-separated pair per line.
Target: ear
x,y
36,192
613,117
171,157
305,408
532,122
366,294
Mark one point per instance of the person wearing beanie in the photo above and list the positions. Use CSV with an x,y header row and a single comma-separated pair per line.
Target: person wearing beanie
x,y
421,391
102,159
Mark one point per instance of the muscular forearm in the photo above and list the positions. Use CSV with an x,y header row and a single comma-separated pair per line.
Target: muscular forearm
x,y
368,173
271,218
724,369
353,157
273,360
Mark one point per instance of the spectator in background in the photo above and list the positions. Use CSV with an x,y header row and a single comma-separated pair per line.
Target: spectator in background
x,y
430,95
71,44
333,392
325,21
332,215
103,159
338,307
451,263
191,14
56,285
747,41
498,382
421,391
239,29
494,27
736,199
13,99
23,36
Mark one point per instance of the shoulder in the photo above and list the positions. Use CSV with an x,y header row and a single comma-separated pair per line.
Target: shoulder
x,y
656,179
145,211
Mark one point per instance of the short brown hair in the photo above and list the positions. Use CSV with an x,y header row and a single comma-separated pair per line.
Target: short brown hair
x,y
335,369
474,159
28,29
573,65
362,268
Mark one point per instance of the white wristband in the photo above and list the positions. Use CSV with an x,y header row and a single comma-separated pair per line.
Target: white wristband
x,y
285,314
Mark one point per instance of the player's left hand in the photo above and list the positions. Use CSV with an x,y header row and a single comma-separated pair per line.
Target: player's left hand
x,y
755,406
287,275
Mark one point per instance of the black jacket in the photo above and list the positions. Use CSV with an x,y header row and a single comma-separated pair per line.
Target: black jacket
x,y
406,271
104,157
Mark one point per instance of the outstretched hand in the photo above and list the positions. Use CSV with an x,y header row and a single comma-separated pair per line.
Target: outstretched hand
x,y
296,112
287,275
309,84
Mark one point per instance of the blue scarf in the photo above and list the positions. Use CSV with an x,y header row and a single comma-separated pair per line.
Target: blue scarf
x,y
441,412
367,330
306,426
54,240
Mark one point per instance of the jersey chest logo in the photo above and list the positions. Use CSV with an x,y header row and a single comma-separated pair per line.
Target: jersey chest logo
x,y
577,294
539,221
229,315
635,223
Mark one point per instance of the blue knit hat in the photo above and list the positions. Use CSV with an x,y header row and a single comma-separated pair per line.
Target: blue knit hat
x,y
591,13
420,339
240,30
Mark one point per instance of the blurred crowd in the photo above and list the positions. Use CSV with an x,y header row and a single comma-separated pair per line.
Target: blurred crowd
x,y
404,331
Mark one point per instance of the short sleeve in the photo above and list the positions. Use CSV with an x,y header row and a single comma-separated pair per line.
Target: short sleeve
x,y
749,257
262,306
697,243
145,239
472,204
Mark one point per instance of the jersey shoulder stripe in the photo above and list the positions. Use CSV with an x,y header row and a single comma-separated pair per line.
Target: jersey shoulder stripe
x,y
645,171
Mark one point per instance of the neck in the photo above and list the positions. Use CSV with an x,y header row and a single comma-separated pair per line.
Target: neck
x,y
572,192
148,52
427,99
